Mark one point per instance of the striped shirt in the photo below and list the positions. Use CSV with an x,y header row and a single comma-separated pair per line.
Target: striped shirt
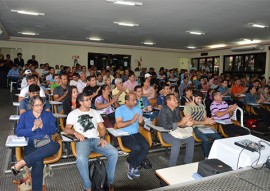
x,y
220,107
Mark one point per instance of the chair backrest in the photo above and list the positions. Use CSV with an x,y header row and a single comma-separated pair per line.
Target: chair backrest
x,y
234,116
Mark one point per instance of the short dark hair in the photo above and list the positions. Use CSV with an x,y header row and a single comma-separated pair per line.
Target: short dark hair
x,y
137,87
164,85
81,96
34,88
131,73
168,98
30,77
55,75
197,93
62,74
187,89
90,77
214,93
76,74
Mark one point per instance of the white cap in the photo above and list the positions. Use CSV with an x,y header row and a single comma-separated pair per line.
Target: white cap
x,y
27,72
147,75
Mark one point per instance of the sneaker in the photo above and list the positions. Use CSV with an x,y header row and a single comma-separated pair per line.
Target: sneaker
x,y
137,172
130,173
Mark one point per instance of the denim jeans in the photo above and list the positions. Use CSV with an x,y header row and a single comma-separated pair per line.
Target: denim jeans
x,y
206,144
83,150
175,150
34,157
139,148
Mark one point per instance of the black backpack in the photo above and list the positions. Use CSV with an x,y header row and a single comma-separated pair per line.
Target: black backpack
x,y
98,175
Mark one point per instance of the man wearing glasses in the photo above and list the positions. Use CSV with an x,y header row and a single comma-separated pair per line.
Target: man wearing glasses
x,y
33,91
88,127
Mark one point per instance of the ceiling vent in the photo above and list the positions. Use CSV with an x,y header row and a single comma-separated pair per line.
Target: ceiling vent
x,y
247,48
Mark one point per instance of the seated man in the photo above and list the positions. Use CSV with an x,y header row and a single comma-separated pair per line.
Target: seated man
x,y
169,118
196,110
165,91
144,104
221,111
128,117
24,92
86,122
33,91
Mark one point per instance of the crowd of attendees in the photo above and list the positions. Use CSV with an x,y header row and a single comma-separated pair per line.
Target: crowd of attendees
x,y
119,96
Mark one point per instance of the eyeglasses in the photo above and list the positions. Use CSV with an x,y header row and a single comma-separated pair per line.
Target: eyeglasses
x,y
87,99
38,105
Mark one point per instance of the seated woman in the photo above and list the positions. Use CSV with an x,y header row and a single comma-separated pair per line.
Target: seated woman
x,y
253,98
106,106
70,103
36,124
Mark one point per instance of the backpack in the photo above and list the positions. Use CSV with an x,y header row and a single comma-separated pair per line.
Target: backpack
x,y
98,175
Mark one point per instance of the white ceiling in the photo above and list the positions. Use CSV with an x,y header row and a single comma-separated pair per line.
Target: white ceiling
x,y
163,21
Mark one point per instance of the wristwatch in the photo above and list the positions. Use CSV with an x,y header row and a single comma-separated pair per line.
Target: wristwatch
x,y
102,137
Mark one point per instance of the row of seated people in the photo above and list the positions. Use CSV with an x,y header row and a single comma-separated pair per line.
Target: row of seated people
x,y
85,121
134,169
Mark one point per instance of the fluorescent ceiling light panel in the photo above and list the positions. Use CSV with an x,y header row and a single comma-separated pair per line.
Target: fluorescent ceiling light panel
x,y
126,24
258,25
122,2
149,43
95,39
248,41
191,47
27,12
195,32
217,46
28,33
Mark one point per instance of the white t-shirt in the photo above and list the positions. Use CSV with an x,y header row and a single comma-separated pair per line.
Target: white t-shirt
x,y
24,83
49,77
73,83
81,85
24,92
85,123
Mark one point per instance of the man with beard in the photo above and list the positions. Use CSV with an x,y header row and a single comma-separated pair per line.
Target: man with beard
x,y
85,122
196,110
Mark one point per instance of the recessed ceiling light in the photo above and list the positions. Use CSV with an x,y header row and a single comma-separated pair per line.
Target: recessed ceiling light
x,y
126,24
149,43
191,47
195,32
248,41
257,25
27,12
122,2
95,39
28,33
217,46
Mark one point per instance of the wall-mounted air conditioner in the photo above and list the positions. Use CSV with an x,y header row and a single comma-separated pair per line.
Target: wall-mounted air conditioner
x,y
247,48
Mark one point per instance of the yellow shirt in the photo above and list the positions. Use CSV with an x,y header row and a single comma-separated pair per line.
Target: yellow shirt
x,y
121,99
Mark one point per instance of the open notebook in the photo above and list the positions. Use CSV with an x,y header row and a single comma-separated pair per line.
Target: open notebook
x,y
14,141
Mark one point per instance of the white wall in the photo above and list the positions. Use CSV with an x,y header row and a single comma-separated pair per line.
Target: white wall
x,y
61,54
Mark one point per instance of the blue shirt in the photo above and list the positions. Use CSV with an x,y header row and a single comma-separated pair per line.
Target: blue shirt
x,y
26,123
143,102
161,100
13,73
127,114
251,98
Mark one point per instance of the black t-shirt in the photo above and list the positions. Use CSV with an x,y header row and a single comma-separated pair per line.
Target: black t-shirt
x,y
89,90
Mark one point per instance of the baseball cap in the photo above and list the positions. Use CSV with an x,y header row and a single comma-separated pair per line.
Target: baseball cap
x,y
147,75
27,72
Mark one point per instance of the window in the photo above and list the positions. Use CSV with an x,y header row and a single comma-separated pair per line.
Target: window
x,y
245,63
209,64
101,61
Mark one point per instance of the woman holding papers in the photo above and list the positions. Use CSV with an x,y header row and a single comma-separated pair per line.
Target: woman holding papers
x,y
38,126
